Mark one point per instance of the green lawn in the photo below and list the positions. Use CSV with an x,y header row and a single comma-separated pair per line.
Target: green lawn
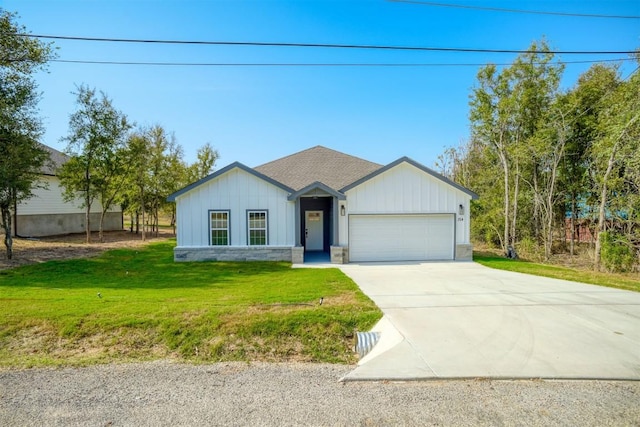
x,y
139,305
611,280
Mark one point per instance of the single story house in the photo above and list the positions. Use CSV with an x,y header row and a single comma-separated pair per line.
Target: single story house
x,y
323,201
48,214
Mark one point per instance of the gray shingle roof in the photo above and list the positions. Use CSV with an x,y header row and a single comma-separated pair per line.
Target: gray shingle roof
x,y
57,159
330,167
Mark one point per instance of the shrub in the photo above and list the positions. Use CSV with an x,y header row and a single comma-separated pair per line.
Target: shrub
x,y
529,249
616,252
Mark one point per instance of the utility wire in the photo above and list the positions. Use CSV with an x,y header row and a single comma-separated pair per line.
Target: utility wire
x,y
260,64
497,9
331,46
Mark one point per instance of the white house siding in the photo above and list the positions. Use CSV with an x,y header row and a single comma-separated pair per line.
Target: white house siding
x,y
50,200
406,189
236,191
47,213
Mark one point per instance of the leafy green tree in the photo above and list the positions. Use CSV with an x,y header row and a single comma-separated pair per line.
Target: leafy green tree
x,y
165,153
138,147
536,81
578,175
207,157
96,141
157,170
553,153
547,145
491,109
507,109
21,155
617,148
180,174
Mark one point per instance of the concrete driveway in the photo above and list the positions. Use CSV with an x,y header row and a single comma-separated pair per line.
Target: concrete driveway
x,y
464,320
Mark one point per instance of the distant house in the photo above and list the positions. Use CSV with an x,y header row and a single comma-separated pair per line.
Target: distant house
x,y
585,230
48,214
323,201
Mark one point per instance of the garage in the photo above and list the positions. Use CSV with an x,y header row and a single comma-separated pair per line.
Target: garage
x,y
402,237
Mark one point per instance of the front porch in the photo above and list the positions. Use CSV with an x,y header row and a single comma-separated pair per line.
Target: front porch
x,y
316,257
318,209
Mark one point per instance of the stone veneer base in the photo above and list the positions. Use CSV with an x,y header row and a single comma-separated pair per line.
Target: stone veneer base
x,y
339,255
464,252
293,254
235,253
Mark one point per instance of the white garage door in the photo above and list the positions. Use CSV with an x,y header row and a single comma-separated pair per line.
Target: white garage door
x,y
401,237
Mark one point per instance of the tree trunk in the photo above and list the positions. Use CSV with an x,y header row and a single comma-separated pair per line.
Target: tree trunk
x,y
602,209
156,220
536,207
516,192
601,218
550,197
573,223
550,214
100,227
87,202
8,238
548,244
506,240
87,222
502,154
152,220
144,236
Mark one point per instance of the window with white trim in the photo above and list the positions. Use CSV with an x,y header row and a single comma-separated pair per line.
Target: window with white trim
x,y
219,225
257,228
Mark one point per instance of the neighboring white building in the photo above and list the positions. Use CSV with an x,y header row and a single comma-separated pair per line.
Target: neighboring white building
x,y
320,200
48,214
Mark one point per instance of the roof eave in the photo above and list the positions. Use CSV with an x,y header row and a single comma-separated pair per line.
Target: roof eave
x,y
317,185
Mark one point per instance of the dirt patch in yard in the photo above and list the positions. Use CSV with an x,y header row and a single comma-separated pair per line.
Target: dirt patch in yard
x,y
71,246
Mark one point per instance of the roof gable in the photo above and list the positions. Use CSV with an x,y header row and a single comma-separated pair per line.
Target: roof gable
x,y
319,186
412,162
318,164
172,197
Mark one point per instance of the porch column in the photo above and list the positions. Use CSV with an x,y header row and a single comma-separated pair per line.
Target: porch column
x,y
297,222
335,221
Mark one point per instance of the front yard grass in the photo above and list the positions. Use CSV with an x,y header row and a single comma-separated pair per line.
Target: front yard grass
x,y
611,280
130,305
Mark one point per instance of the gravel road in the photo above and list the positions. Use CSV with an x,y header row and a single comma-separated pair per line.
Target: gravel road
x,y
165,393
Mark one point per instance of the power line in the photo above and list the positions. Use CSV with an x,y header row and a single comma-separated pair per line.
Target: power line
x,y
330,46
497,9
284,64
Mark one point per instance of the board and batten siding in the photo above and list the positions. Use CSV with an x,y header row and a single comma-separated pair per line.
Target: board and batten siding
x,y
48,200
236,191
405,189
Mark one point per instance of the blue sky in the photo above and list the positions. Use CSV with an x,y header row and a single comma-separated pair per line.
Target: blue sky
x,y
257,114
